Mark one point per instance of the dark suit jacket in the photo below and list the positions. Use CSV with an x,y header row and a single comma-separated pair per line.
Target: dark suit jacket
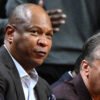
x,y
72,90
10,84
64,77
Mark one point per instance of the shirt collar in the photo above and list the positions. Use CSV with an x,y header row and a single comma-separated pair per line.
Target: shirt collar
x,y
22,73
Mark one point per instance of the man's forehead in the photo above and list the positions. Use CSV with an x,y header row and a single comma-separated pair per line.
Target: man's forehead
x,y
38,20
28,16
27,12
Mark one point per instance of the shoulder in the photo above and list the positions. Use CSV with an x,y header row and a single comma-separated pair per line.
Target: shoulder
x,y
65,77
46,92
65,90
43,85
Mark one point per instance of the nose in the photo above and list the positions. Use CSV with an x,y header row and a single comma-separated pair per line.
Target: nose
x,y
42,41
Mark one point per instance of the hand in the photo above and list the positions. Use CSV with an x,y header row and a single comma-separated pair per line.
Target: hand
x,y
57,17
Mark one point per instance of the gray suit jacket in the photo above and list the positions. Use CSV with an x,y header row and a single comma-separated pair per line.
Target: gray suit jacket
x,y
10,84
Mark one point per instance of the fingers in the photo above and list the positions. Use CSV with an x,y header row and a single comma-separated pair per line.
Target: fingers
x,y
57,17
41,3
54,11
56,30
56,26
58,23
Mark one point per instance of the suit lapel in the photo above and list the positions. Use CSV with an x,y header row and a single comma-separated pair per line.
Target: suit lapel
x,y
18,86
40,92
13,73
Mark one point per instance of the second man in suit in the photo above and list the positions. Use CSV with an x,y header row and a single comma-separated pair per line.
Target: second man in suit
x,y
86,85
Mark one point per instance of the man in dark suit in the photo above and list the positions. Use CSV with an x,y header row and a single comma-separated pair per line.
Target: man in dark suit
x,y
86,85
28,40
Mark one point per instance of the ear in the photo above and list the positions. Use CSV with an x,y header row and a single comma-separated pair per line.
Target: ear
x,y
85,67
9,33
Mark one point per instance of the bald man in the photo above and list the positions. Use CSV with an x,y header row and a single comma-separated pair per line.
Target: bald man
x,y
28,40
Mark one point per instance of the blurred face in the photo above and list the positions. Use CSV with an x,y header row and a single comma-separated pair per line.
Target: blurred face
x,y
32,41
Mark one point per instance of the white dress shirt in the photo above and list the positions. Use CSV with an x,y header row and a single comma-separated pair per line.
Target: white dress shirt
x,y
28,81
